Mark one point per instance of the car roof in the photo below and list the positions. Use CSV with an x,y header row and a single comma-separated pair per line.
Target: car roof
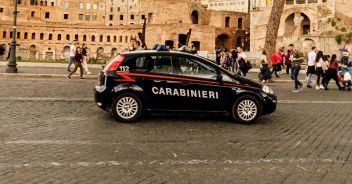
x,y
136,53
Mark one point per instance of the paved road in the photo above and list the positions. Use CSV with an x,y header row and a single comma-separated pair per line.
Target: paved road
x,y
51,132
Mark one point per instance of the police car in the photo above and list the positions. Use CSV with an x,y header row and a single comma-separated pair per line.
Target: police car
x,y
135,83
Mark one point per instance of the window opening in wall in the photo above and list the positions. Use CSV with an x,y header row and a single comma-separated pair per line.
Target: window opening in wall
x,y
59,37
25,35
240,23
47,15
33,14
195,17
68,37
18,35
227,22
84,38
41,36
93,38
101,38
33,36
4,34
66,16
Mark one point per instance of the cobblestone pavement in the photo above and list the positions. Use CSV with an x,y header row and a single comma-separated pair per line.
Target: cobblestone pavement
x,y
52,132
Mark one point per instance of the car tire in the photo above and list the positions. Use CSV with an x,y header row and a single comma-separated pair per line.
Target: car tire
x,y
127,108
246,109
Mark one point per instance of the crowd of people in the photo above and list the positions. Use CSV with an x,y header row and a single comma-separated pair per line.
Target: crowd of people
x,y
324,67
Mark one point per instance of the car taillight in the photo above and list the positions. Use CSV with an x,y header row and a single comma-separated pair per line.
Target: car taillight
x,y
114,65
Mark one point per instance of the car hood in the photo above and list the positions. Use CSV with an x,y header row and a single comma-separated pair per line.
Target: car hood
x,y
249,82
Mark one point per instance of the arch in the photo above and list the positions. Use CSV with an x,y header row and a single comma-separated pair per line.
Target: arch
x,y
68,37
66,51
113,51
297,24
101,37
115,39
33,36
76,37
32,52
84,38
25,36
108,38
18,35
4,34
59,37
100,53
240,23
223,40
41,37
195,17
92,38
308,43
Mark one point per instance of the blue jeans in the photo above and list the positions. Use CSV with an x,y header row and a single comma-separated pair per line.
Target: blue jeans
x,y
72,61
295,73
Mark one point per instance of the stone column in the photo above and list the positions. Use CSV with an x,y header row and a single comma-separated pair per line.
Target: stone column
x,y
298,24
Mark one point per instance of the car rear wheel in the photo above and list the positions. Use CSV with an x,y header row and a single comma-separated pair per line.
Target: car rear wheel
x,y
127,108
246,109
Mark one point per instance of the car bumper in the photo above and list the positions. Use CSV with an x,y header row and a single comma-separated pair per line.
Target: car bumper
x,y
100,98
269,104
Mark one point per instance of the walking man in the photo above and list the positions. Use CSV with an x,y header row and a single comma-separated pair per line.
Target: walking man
x,y
85,57
311,66
297,58
241,62
72,55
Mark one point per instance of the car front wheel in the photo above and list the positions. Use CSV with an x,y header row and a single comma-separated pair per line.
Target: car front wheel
x,y
246,109
127,108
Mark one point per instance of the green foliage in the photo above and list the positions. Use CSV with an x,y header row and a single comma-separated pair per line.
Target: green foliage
x,y
339,38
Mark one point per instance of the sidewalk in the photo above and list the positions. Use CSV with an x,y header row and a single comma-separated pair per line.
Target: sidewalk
x,y
59,70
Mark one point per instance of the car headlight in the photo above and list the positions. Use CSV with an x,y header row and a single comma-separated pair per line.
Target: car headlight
x,y
267,90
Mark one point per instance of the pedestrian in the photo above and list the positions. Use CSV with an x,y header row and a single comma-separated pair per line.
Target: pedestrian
x,y
132,41
332,72
311,66
265,74
218,56
234,57
73,47
85,58
297,59
287,61
319,63
224,59
275,63
280,61
78,63
137,46
2,51
241,62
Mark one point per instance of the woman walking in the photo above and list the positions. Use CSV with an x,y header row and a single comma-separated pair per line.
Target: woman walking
x,y
319,62
78,63
332,72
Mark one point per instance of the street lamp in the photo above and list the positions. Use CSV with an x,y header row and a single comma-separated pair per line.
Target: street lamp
x,y
12,66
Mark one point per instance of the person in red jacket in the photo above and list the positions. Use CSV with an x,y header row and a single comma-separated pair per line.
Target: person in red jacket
x,y
275,62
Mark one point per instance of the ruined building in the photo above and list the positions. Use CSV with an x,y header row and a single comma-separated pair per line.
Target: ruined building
x,y
47,27
305,23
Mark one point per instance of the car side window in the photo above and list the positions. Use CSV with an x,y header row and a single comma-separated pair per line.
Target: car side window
x,y
193,68
227,78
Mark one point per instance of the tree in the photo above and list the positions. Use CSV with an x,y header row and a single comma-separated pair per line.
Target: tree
x,y
273,27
